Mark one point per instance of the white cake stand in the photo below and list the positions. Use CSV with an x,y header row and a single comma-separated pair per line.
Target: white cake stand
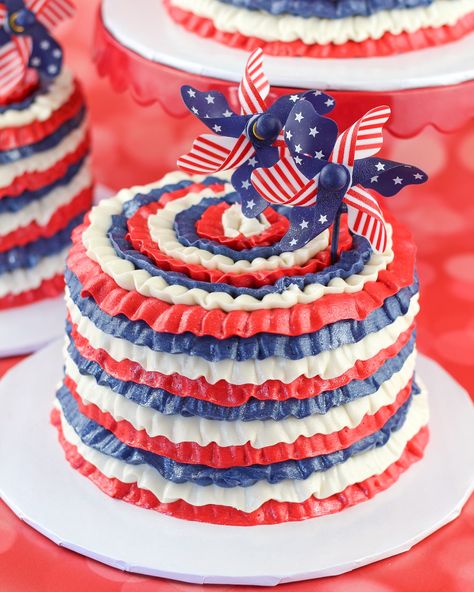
x,y
44,491
28,328
149,31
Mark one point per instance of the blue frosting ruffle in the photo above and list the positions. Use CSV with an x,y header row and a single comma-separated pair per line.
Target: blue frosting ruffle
x,y
15,204
31,254
51,141
98,438
257,347
169,404
330,9
185,228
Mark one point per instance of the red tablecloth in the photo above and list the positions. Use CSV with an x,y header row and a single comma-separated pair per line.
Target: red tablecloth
x,y
441,214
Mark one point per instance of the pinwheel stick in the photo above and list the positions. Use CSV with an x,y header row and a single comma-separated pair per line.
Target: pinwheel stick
x,y
335,235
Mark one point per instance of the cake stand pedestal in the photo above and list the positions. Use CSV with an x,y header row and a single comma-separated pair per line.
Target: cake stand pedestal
x,y
38,484
146,52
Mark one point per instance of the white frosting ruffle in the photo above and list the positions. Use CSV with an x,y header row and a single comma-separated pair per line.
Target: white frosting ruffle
x,y
22,280
313,30
100,250
41,210
327,364
259,434
44,104
234,223
320,484
162,231
42,161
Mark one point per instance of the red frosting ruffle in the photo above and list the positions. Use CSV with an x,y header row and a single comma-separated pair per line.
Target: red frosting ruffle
x,y
13,137
139,236
209,226
232,395
39,179
23,90
222,457
48,289
297,320
271,512
59,220
388,44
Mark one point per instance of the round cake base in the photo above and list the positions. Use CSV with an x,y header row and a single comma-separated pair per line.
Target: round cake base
x,y
28,328
43,490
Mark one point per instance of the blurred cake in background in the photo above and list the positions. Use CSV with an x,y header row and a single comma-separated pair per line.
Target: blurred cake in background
x,y
326,28
45,179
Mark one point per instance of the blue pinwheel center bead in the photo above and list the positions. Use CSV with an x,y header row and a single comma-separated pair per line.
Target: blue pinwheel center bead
x,y
20,20
334,177
264,129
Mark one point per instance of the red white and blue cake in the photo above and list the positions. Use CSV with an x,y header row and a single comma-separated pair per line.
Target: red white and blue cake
x,y
45,180
326,28
247,369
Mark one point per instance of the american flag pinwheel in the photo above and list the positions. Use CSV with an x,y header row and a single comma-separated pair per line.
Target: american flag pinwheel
x,y
247,140
25,39
324,173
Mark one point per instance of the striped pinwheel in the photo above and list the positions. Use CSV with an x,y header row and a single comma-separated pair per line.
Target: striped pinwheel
x,y
247,140
324,174
25,39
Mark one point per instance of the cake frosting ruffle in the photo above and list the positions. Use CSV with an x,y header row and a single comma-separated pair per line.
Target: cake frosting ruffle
x,y
45,188
212,376
333,30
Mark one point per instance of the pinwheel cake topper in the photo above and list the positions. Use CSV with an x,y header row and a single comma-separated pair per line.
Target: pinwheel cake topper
x,y
290,155
245,141
26,41
323,174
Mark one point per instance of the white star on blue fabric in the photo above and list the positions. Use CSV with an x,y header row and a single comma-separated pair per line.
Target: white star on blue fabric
x,y
209,99
294,98
253,161
293,242
323,219
299,117
246,184
319,155
45,44
289,135
304,224
374,179
227,113
217,128
191,93
380,166
251,204
398,180
329,102
418,176
298,148
313,131
194,110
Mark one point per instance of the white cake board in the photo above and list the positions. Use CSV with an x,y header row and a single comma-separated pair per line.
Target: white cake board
x,y
43,490
149,31
29,328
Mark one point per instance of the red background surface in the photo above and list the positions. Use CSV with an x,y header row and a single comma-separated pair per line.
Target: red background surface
x,y
128,143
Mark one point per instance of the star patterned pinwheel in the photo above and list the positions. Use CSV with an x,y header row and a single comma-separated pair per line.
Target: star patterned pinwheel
x,y
25,39
324,174
247,140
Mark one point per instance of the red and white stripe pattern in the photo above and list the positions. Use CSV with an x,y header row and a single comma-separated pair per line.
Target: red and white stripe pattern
x,y
211,154
51,12
363,139
284,184
254,87
14,58
365,216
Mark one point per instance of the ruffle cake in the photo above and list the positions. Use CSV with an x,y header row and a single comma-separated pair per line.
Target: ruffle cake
x,y
45,187
212,377
326,28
